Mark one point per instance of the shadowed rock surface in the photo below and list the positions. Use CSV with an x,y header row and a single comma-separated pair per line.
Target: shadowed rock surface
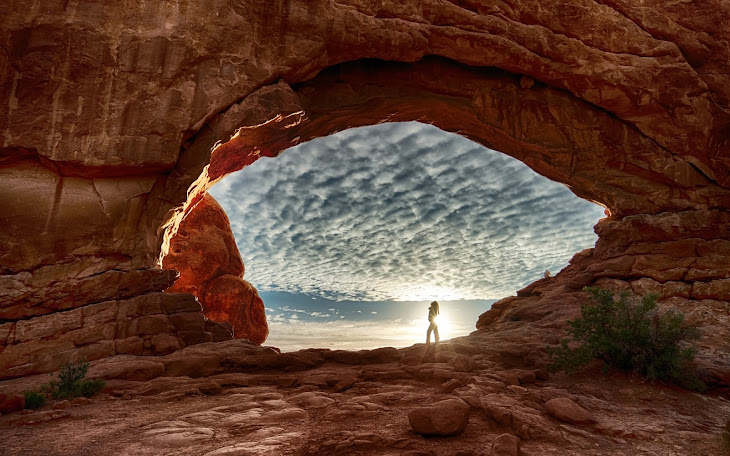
x,y
448,417
150,324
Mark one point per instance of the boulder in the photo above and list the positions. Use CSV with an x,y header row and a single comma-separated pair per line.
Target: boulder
x,y
448,417
506,445
526,377
61,405
80,401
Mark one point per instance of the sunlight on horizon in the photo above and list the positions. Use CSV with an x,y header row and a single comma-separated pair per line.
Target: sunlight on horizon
x,y
292,335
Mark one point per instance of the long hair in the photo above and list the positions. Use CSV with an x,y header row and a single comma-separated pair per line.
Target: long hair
x,y
436,306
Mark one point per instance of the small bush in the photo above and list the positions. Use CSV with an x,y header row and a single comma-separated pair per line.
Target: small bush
x,y
88,388
34,399
632,336
72,383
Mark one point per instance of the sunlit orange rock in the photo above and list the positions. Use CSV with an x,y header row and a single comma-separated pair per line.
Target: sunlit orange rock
x,y
204,251
233,300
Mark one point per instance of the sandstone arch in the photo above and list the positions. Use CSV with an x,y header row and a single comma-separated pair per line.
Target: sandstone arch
x,y
110,113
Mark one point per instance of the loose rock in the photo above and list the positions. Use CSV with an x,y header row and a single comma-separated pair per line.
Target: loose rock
x,y
448,417
506,445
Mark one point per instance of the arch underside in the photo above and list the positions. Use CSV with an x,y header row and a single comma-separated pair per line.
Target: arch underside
x,y
598,156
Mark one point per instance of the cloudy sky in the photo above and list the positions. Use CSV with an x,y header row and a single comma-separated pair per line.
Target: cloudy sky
x,y
395,212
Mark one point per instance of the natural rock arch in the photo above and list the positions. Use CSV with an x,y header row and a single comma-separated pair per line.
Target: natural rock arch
x,y
628,106
598,156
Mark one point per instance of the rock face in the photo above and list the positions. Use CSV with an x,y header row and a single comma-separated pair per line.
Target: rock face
x,y
109,112
682,257
56,288
150,324
203,249
204,252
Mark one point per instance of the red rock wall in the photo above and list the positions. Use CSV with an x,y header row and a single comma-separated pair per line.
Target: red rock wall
x,y
150,324
204,252
681,257
109,111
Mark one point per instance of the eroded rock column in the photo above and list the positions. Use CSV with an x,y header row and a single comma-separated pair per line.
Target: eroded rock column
x,y
205,253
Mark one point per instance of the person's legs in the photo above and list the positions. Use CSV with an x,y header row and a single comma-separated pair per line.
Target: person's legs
x,y
428,333
436,332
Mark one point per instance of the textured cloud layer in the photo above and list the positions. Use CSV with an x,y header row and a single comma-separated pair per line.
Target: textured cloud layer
x,y
401,211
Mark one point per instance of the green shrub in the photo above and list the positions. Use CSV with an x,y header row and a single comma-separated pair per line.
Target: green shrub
x,y
630,335
72,383
34,399
88,388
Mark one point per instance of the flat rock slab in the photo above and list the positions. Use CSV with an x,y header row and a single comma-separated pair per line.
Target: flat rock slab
x,y
249,425
566,410
39,417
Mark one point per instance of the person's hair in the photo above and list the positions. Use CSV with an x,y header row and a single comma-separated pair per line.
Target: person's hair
x,y
436,305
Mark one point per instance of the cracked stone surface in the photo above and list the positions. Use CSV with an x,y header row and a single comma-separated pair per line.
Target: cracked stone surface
x,y
248,406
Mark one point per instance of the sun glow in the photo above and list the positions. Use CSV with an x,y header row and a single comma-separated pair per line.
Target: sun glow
x,y
444,325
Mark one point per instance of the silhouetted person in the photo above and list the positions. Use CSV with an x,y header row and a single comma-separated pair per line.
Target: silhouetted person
x,y
433,311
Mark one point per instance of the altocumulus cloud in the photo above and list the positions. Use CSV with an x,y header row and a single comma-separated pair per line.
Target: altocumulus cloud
x,y
401,211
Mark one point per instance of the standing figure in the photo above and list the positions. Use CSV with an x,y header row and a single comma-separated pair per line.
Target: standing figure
x,y
433,312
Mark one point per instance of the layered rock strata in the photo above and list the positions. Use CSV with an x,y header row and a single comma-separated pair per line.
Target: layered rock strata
x,y
681,257
205,253
150,324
